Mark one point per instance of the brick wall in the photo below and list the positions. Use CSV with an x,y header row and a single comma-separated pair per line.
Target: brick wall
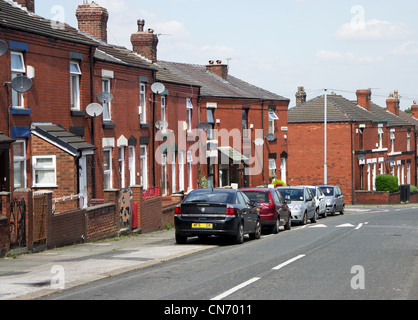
x,y
102,222
306,155
151,215
4,235
66,228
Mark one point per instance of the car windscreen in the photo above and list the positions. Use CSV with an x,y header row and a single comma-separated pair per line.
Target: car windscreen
x,y
328,191
292,194
210,196
257,196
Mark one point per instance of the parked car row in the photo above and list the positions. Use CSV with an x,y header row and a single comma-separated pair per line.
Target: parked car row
x,y
234,213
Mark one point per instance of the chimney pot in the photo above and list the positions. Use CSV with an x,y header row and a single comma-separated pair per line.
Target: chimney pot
x,y
141,24
392,103
145,43
218,69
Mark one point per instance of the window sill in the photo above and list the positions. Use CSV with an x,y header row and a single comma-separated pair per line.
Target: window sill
x,y
21,111
44,187
108,125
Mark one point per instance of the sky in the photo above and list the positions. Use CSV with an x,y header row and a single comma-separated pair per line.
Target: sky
x,y
278,45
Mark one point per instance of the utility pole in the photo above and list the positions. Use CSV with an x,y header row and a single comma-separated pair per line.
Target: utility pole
x,y
326,138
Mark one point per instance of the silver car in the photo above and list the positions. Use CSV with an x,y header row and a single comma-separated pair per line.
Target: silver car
x,y
321,206
334,199
301,202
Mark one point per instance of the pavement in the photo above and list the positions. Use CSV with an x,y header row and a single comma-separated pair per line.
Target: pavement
x,y
33,275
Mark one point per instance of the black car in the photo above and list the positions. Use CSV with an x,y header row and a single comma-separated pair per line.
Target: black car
x,y
221,212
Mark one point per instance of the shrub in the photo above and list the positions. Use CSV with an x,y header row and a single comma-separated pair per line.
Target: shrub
x,y
387,182
413,188
278,183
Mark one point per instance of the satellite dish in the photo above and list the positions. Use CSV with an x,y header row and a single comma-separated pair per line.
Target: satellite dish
x,y
94,109
259,142
158,88
104,97
204,126
22,84
270,137
3,47
161,125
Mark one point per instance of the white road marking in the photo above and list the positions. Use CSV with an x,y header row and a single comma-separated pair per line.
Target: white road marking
x,y
280,266
235,289
318,226
345,225
359,226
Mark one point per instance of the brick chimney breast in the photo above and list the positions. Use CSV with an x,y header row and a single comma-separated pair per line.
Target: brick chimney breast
x,y
364,98
300,96
28,4
392,103
218,69
145,43
92,20
414,110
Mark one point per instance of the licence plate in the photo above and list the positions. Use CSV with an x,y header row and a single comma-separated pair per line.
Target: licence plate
x,y
202,226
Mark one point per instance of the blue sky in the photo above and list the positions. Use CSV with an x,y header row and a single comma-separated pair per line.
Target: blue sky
x,y
340,45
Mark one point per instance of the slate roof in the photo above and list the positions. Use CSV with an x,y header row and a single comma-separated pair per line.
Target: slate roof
x,y
5,139
340,109
213,86
13,16
409,118
61,137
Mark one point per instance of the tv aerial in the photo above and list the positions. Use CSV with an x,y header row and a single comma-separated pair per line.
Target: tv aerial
x,y
22,84
158,88
161,125
3,47
94,110
104,97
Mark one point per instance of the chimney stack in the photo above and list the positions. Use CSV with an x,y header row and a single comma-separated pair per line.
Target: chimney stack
x,y
393,103
145,43
300,96
92,19
218,69
28,4
364,98
414,110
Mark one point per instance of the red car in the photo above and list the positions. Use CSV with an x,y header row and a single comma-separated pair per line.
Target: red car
x,y
273,209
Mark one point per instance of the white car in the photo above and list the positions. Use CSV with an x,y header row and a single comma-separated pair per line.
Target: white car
x,y
321,205
301,202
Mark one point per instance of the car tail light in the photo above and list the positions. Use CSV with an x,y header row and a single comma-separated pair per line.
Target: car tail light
x,y
230,211
177,212
270,198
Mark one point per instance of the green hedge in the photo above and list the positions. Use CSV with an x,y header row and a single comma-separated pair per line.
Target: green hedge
x,y
387,182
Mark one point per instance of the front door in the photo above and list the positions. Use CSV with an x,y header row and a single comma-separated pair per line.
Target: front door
x,y
83,181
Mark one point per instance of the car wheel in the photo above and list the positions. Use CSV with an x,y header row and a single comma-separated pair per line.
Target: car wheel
x,y
305,219
315,217
342,210
333,211
257,233
276,227
239,238
181,239
325,215
288,225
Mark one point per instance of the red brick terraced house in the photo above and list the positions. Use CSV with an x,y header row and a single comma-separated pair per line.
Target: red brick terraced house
x,y
363,140
246,127
49,142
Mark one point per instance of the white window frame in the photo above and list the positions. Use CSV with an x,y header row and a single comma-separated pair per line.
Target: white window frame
x,y
189,107
272,118
272,167
132,167
109,171
163,110
408,141
121,161
75,85
164,182
144,166
380,132
181,171
22,161
36,168
142,103
173,173
107,107
190,170
18,100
